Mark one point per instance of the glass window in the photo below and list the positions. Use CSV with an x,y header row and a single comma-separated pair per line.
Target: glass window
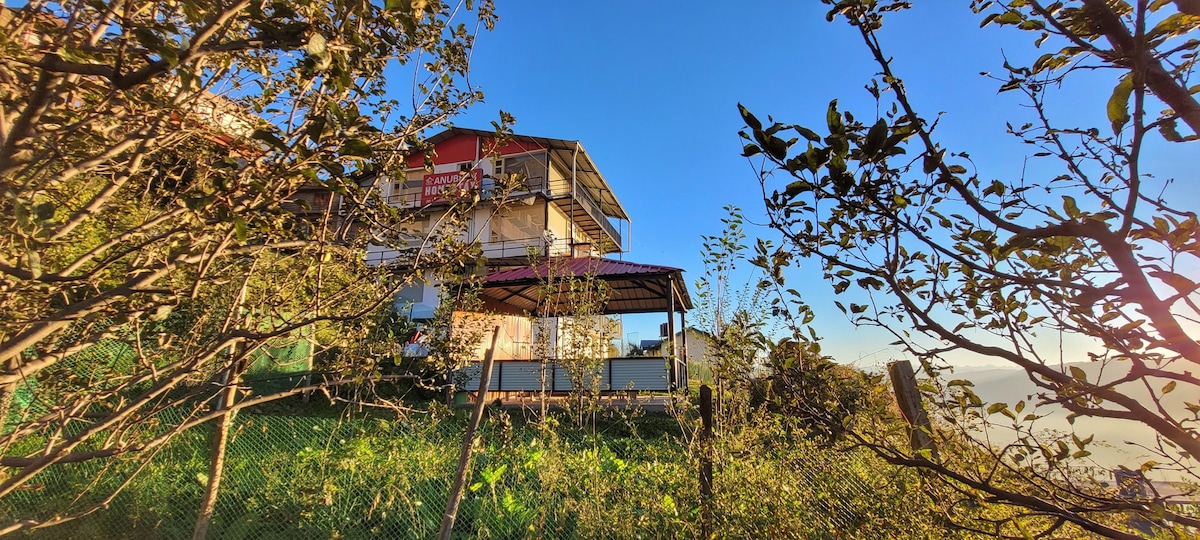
x,y
531,167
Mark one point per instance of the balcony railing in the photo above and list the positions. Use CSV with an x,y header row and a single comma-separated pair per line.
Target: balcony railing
x,y
503,249
405,200
593,210
614,375
560,188
519,247
553,189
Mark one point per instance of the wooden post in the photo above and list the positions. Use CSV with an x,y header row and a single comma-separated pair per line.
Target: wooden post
x,y
904,382
683,343
464,456
672,372
706,435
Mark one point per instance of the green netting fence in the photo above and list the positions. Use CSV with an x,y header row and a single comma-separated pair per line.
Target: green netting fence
x,y
321,477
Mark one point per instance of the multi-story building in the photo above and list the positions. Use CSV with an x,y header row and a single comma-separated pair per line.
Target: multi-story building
x,y
560,216
563,208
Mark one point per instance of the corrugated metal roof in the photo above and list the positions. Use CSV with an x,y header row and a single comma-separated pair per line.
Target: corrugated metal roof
x,y
578,267
568,153
631,287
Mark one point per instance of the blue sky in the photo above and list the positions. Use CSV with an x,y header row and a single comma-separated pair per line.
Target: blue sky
x,y
650,89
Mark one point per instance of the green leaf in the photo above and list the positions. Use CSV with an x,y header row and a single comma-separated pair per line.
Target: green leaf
x,y
996,188
1118,104
932,161
996,407
749,118
334,168
1012,84
356,147
1078,373
833,118
875,137
239,229
1009,17
807,133
777,148
1169,387
269,138
1070,207
797,187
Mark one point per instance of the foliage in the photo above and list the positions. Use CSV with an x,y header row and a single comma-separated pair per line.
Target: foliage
x,y
772,483
822,396
459,327
182,179
383,477
735,319
572,308
955,264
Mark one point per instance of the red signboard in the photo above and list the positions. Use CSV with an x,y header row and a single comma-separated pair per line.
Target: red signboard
x,y
434,186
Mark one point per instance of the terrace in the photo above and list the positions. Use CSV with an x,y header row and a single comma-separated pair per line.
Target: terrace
x,y
540,292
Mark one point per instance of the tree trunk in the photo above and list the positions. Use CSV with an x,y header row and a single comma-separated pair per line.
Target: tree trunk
x,y
216,467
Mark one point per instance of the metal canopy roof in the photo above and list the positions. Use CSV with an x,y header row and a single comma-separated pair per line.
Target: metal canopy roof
x,y
564,153
632,287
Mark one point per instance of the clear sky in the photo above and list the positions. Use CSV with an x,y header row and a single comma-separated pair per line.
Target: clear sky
x,y
650,89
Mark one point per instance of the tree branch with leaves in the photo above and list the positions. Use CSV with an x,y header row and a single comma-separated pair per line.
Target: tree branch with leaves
x,y
184,186
956,265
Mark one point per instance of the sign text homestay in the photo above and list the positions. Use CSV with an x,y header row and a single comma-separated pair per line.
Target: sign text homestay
x,y
435,185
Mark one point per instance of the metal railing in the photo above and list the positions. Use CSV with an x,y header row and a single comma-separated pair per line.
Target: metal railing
x,y
519,247
643,373
552,189
503,249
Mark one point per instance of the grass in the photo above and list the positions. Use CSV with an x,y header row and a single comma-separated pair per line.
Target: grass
x,y
624,476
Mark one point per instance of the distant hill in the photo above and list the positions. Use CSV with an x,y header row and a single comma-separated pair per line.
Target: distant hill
x,y
1012,385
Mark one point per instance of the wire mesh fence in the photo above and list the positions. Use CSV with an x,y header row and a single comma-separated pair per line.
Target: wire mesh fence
x,y
772,484
336,477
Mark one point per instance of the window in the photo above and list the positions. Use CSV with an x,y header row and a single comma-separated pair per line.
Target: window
x,y
530,167
518,225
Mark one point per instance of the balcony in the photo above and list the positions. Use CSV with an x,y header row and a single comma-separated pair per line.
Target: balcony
x,y
584,211
581,209
518,250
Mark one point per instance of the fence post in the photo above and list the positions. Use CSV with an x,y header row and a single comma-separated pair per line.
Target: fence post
x,y
706,435
464,456
904,382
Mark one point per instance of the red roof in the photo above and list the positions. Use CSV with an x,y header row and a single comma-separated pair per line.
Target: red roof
x,y
583,266
632,287
457,144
